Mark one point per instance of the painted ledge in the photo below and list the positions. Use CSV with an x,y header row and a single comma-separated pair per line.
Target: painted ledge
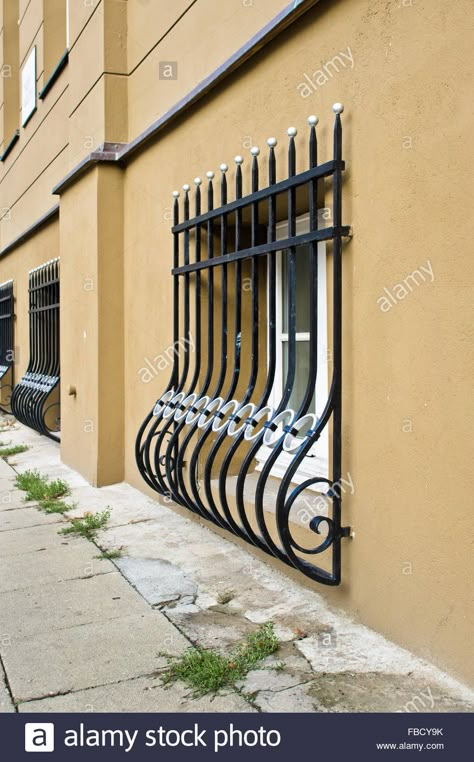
x,y
46,218
126,151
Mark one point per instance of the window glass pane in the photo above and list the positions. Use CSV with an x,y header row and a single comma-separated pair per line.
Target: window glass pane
x,y
302,372
302,289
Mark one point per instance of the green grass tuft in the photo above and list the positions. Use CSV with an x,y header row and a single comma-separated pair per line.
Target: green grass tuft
x,y
7,452
38,487
206,671
87,525
57,488
32,483
54,506
110,554
44,492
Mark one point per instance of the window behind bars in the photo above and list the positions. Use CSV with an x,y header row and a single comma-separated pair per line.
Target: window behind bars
x,y
234,435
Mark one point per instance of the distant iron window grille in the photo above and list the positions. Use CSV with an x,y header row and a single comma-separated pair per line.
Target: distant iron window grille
x,y
202,443
35,399
7,314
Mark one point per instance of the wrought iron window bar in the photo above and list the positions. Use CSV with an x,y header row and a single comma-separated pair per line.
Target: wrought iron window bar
x,y
213,417
7,314
36,399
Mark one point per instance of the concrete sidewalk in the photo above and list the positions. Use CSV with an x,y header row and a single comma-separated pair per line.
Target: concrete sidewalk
x,y
82,634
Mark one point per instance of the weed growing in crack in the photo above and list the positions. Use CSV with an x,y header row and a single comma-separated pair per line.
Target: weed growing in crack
x,y
7,452
110,554
225,597
55,506
206,671
46,493
88,525
38,487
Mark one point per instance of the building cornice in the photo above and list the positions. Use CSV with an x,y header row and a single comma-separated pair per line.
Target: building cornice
x,y
44,220
125,152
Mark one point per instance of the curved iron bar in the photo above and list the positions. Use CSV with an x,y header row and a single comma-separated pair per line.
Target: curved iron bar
x,y
202,412
34,396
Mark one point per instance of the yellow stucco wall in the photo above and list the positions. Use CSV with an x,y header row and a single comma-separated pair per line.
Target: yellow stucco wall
x,y
33,253
406,377
406,86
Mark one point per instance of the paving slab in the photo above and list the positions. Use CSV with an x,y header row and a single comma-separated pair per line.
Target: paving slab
x,y
158,581
22,518
355,649
127,507
31,540
270,680
47,608
375,692
144,694
47,460
90,655
9,492
294,699
6,704
5,469
55,565
211,629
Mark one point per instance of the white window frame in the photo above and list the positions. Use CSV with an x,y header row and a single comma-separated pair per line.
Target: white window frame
x,y
28,88
316,463
67,24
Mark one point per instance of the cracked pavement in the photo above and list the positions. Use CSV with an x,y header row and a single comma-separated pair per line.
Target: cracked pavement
x,y
78,633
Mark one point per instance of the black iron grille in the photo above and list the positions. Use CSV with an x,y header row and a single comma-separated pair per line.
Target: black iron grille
x,y
6,345
35,399
217,440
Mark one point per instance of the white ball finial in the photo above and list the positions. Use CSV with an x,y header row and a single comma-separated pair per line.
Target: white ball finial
x,y
338,108
313,120
176,194
197,181
272,142
186,187
291,132
255,151
238,159
223,167
209,175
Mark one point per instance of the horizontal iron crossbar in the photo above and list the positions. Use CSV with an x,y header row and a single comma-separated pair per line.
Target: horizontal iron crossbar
x,y
319,172
325,234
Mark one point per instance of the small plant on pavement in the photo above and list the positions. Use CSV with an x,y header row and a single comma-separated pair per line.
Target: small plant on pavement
x,y
47,494
206,670
87,525
111,553
7,452
38,488
55,506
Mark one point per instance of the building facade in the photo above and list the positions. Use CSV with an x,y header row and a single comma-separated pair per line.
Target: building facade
x,y
347,344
